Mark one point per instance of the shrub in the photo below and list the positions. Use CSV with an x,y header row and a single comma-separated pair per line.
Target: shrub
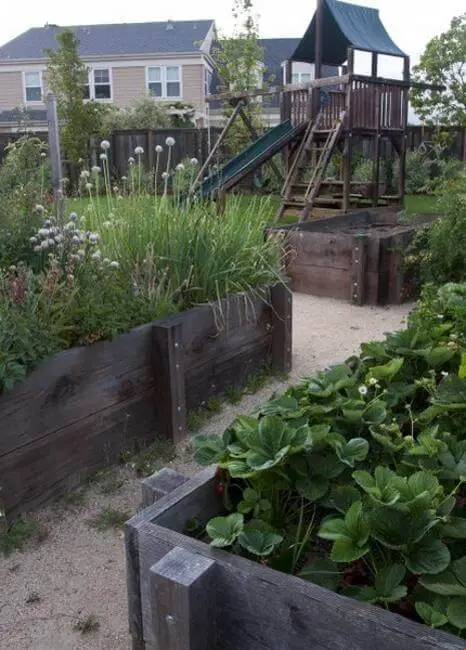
x,y
444,257
354,479
24,183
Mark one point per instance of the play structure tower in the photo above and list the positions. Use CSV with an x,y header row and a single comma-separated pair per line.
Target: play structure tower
x,y
328,119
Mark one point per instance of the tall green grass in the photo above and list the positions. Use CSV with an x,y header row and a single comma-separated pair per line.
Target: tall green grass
x,y
188,253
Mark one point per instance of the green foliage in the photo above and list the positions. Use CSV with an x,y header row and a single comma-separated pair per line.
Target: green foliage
x,y
130,257
24,183
146,113
443,258
15,535
354,479
67,76
239,62
443,64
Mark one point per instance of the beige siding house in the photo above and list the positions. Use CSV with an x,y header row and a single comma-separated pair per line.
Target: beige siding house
x,y
168,61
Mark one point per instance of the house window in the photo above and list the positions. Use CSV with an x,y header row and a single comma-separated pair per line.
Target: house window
x,y
33,86
102,86
300,77
164,81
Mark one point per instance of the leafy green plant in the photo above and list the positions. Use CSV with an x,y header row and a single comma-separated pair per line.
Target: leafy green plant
x,y
355,478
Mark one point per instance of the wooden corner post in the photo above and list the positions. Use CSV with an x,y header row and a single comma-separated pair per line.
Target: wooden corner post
x,y
182,588
168,365
282,317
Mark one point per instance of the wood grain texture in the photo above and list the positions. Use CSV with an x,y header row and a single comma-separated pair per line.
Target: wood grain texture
x,y
159,485
80,409
257,608
282,319
183,611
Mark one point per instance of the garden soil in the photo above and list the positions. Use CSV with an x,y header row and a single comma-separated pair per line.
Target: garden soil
x,y
78,572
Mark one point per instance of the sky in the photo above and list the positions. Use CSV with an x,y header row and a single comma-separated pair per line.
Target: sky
x,y
411,23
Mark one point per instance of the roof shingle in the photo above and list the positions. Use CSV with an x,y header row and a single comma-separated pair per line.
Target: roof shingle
x,y
109,40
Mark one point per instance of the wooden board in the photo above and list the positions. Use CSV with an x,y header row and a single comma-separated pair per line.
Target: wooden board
x,y
252,607
80,409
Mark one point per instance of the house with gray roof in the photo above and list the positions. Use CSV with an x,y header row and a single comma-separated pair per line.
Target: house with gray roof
x,y
171,61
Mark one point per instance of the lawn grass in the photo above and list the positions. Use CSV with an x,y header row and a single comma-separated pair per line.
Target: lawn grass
x,y
269,205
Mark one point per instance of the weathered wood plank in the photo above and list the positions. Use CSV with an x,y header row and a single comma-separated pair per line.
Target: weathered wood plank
x,y
259,609
358,273
282,312
181,586
168,359
159,485
195,499
320,281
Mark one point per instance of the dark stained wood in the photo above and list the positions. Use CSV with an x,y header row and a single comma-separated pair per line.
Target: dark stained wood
x,y
358,276
257,608
168,360
80,409
181,585
282,318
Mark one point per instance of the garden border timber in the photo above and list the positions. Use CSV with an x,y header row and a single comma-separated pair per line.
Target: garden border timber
x,y
186,595
81,408
356,256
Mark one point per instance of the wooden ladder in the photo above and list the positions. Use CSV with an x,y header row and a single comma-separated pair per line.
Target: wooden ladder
x,y
299,162
318,173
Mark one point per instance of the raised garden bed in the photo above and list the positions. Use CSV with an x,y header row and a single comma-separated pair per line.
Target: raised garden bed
x,y
80,409
356,256
182,593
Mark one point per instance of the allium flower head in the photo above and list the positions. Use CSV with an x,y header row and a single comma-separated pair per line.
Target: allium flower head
x,y
75,239
170,141
39,208
96,256
106,261
37,249
139,151
81,253
93,238
43,232
114,265
158,148
180,167
51,242
44,244
131,160
89,186
43,154
84,173
124,178
165,175
103,156
194,161
96,169
58,239
73,216
33,240
104,145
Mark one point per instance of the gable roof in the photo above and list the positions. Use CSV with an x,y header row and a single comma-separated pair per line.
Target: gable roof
x,y
173,36
346,25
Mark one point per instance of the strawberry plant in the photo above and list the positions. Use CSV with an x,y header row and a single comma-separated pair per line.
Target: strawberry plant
x,y
355,478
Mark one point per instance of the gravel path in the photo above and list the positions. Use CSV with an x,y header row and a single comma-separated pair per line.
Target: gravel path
x,y
78,571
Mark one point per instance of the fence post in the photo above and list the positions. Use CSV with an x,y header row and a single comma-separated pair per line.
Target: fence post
x,y
182,587
54,149
168,367
282,311
359,269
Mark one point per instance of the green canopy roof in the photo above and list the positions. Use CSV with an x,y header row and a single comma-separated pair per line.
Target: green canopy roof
x,y
345,25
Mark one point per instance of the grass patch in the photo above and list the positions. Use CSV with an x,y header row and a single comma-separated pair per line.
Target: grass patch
x,y
421,204
110,518
108,481
150,458
88,625
74,500
15,536
234,394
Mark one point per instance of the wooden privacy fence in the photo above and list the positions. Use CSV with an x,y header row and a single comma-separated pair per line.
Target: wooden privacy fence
x,y
81,408
189,143
184,594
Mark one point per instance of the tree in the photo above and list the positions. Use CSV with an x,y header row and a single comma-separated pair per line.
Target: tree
x,y
239,61
66,77
443,63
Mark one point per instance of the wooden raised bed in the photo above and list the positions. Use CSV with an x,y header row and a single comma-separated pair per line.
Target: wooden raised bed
x,y
80,409
356,256
185,595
